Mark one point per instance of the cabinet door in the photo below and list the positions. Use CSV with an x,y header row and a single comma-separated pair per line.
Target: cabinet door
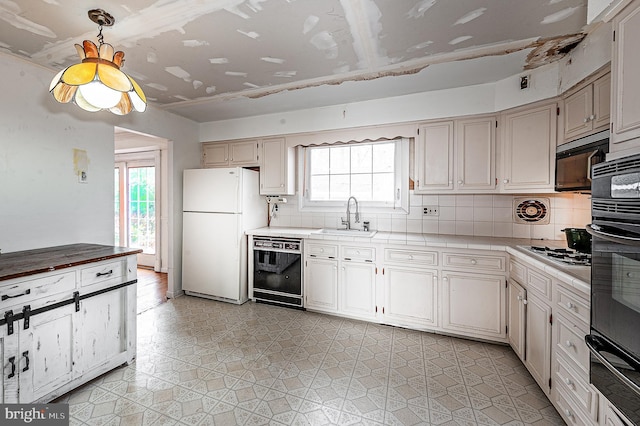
x,y
47,352
276,168
529,148
601,102
243,153
516,295
538,340
475,154
321,284
578,108
357,289
474,304
104,328
434,157
215,155
10,360
410,296
625,68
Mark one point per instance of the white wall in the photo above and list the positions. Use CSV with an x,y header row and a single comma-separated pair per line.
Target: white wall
x,y
41,202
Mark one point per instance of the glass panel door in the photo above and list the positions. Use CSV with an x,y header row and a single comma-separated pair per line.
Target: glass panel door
x,y
135,208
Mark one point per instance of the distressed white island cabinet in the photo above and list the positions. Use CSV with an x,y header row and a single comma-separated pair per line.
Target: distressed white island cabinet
x,y
67,315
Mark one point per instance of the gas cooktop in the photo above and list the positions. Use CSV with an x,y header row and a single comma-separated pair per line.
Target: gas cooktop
x,y
563,256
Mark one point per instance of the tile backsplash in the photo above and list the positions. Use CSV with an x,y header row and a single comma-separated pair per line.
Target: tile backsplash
x,y
479,215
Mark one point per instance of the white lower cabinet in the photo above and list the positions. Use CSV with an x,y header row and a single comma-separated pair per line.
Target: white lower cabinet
x,y
556,319
105,336
474,304
516,295
321,284
340,279
530,320
66,328
538,340
410,297
357,289
48,353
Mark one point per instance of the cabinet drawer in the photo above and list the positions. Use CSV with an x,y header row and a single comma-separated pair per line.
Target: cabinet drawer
x,y
517,271
539,283
569,340
359,253
24,291
429,258
102,273
572,305
576,385
567,408
475,262
322,250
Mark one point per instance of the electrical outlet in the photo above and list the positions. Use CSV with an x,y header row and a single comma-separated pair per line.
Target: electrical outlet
x,y
431,211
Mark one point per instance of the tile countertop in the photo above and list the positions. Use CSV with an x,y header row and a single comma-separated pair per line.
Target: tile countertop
x,y
579,277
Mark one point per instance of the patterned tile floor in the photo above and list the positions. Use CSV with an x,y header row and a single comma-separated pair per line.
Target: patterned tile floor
x,y
202,362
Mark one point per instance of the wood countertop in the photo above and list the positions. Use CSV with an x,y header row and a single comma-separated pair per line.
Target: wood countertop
x,y
30,262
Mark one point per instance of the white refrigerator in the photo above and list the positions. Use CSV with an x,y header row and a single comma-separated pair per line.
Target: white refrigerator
x,y
219,205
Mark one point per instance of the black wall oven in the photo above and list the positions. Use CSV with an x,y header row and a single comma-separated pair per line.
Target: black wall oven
x,y
614,340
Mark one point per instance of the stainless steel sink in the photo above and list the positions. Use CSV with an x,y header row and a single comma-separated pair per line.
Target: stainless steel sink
x,y
348,232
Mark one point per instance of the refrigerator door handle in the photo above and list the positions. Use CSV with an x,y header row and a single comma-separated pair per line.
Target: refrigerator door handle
x,y
596,345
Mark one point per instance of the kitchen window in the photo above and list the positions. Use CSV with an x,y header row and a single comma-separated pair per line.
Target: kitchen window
x,y
376,173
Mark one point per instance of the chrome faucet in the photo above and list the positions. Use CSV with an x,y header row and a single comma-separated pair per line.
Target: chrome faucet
x,y
347,221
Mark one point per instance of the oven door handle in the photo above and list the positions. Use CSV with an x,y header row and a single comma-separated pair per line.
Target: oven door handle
x,y
620,239
595,345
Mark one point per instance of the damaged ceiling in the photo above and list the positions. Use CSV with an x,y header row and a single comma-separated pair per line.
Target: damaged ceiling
x,y
221,59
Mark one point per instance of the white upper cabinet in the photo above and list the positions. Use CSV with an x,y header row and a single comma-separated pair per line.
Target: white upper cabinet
x,y
230,154
215,154
456,155
434,157
625,68
243,153
528,148
277,168
474,152
586,108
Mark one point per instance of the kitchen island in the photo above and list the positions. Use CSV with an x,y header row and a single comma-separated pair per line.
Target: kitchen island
x,y
68,316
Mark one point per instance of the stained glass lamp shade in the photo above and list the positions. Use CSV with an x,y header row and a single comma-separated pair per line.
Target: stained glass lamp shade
x,y
97,83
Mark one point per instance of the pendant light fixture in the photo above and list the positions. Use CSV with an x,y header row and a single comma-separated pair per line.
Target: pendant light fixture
x,y
97,83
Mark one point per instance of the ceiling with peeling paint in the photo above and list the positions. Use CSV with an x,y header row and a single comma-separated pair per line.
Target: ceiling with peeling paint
x,y
220,59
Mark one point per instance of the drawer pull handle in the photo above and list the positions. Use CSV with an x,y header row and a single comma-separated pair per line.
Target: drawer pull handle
x,y
570,305
5,297
474,262
25,354
12,360
568,413
568,343
568,381
102,274
410,257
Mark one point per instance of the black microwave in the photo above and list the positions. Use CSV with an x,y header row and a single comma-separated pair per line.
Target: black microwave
x,y
575,159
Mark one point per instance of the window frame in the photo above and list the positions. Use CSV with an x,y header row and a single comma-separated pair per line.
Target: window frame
x,y
400,205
